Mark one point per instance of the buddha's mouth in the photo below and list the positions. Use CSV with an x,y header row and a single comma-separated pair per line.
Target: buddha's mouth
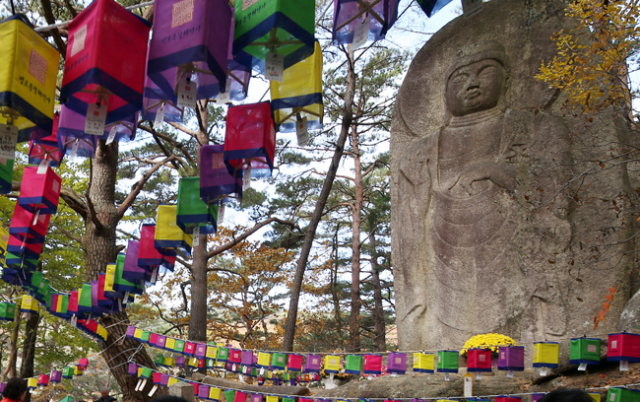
x,y
472,94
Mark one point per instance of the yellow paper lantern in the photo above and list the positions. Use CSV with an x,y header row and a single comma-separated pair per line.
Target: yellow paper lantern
x,y
214,393
332,363
137,334
212,352
28,76
172,381
546,354
29,304
595,396
264,359
170,344
424,362
168,234
299,94
32,382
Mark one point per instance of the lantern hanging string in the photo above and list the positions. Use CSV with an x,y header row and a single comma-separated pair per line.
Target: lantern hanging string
x,y
65,23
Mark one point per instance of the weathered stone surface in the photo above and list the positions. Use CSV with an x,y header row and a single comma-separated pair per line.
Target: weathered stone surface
x,y
223,383
502,220
426,386
630,317
183,390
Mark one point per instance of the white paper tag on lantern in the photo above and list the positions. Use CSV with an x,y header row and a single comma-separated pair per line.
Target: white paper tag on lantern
x,y
112,134
470,7
196,236
43,165
8,141
478,376
301,131
509,374
225,97
361,33
274,66
74,149
96,118
159,114
220,214
246,178
582,367
624,365
543,371
187,91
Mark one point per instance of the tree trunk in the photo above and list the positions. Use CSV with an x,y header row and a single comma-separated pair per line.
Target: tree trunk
x,y
29,346
13,352
100,245
334,286
347,117
198,317
356,221
379,328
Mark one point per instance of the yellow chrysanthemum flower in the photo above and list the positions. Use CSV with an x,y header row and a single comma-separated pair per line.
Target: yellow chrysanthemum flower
x,y
487,341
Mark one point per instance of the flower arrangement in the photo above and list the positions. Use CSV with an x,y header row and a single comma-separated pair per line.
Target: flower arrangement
x,y
487,341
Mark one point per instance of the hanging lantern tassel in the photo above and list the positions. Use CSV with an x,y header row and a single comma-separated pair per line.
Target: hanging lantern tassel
x,y
331,376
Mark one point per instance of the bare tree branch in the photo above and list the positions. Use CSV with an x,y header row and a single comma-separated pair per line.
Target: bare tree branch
x,y
68,234
92,210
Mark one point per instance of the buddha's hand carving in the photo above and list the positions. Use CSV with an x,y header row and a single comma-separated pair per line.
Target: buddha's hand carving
x,y
500,174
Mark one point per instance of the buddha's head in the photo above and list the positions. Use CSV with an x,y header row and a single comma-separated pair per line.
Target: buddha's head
x,y
478,80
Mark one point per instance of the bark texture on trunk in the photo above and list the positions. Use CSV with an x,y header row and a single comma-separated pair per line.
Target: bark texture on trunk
x,y
99,242
356,222
379,328
347,118
29,346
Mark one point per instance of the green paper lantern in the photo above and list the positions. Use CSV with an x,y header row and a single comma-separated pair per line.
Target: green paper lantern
x,y
84,300
448,361
145,336
159,360
7,311
179,346
229,395
192,211
286,27
619,394
585,350
353,364
6,176
278,361
223,354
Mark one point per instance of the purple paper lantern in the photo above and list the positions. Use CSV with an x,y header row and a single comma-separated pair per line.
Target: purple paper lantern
x,y
56,376
133,369
535,397
397,363
312,364
215,180
132,271
164,380
180,361
183,37
72,125
154,101
511,358
247,358
257,397
2,386
161,342
203,391
131,330
348,14
201,350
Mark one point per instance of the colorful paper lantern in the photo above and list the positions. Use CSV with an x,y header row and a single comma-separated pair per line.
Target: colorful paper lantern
x,y
229,395
56,376
43,380
47,150
215,180
95,70
7,311
132,369
353,364
332,364
511,358
397,363
508,398
212,352
189,348
620,394
623,347
201,351
284,27
193,214
430,7
595,396
68,372
214,394
83,363
479,360
168,234
40,192
278,361
535,397
131,270
299,94
312,363
29,304
373,364
250,140
247,358
294,362
257,398
3,385
545,354
203,391
155,106
448,361
184,43
170,344
32,383
585,351
424,362
272,398
148,255
179,348
27,79
238,75
72,126
240,396
25,224
377,18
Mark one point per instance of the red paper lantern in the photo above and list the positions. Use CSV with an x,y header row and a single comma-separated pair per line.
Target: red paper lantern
x,y
105,61
40,192
250,140
479,360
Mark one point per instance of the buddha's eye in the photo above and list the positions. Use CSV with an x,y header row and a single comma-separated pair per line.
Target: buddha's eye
x,y
488,71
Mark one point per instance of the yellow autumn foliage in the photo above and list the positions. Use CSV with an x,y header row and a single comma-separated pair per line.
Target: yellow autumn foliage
x,y
488,341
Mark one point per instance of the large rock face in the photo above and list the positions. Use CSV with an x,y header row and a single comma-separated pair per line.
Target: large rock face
x,y
503,220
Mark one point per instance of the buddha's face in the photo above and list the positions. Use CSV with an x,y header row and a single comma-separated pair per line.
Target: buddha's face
x,y
475,87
